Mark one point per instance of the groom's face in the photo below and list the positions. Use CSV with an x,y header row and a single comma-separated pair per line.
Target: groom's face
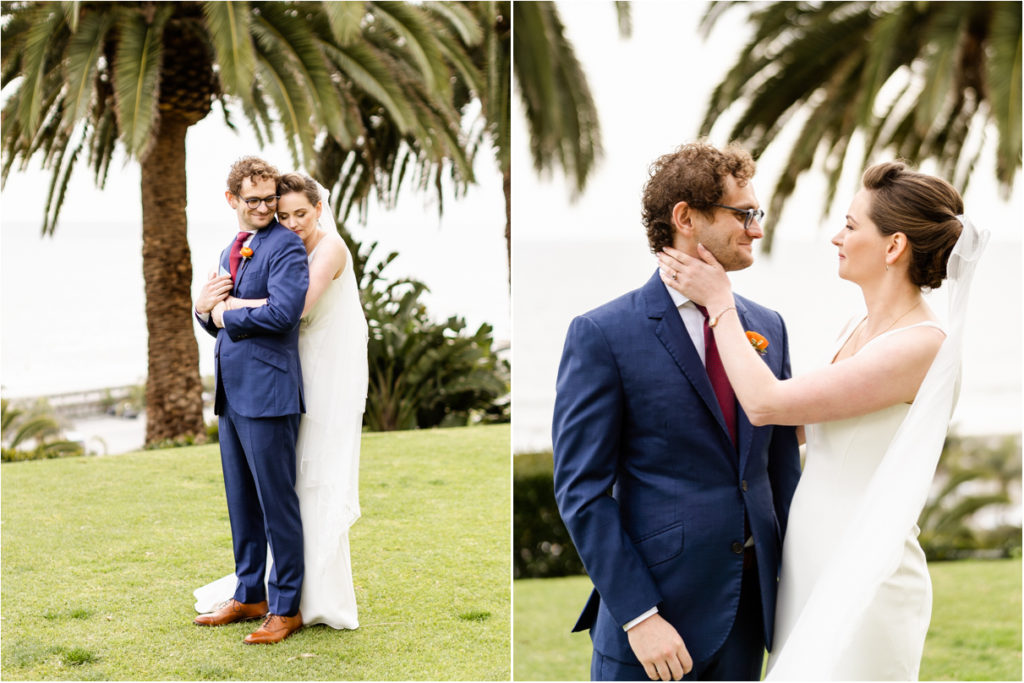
x,y
722,232
260,217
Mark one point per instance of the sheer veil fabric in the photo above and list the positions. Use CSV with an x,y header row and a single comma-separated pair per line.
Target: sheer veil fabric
x,y
872,545
333,354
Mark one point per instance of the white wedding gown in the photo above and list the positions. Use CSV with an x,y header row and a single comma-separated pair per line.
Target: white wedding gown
x,y
854,598
842,456
332,350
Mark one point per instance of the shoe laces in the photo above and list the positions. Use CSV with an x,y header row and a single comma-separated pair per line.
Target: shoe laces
x,y
269,618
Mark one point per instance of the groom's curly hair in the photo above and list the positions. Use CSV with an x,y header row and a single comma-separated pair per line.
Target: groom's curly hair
x,y
694,173
250,167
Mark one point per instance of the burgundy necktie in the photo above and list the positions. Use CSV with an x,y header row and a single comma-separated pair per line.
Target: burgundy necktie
x,y
719,380
235,257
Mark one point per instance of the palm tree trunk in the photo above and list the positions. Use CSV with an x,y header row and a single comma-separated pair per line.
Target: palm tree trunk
x,y
174,402
506,182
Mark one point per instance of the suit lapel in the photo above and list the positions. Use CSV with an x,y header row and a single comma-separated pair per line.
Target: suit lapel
x,y
257,240
672,334
744,430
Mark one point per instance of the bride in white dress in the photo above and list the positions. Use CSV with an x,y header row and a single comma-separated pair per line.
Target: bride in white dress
x,y
854,595
332,350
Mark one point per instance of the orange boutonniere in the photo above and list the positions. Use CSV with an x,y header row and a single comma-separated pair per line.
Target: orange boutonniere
x,y
759,343
246,252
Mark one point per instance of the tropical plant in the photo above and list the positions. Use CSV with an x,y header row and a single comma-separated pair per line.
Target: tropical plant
x,y
974,475
424,373
918,80
84,79
33,433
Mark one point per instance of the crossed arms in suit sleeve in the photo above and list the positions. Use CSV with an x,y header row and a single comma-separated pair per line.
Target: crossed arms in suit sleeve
x,y
586,437
287,282
783,453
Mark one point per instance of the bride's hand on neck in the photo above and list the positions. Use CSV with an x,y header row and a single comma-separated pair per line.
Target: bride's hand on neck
x,y
701,280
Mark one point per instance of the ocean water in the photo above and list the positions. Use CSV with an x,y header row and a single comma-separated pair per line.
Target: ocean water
x,y
73,306
555,281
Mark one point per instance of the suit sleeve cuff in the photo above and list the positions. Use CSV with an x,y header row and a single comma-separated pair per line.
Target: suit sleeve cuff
x,y
646,615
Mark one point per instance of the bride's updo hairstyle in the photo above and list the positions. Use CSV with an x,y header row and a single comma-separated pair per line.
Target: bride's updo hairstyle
x,y
296,182
922,207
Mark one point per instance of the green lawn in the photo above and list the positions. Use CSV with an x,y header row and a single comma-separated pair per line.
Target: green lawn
x,y
975,633
100,557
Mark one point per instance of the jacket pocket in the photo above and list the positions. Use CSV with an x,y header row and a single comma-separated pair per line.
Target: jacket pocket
x,y
662,545
270,357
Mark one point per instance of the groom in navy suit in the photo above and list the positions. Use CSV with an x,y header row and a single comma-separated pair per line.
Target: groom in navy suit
x,y
259,401
676,504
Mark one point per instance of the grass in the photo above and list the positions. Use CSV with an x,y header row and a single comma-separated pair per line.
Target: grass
x,y
100,557
975,632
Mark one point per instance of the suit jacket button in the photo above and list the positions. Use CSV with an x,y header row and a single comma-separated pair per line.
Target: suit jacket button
x,y
743,484
737,547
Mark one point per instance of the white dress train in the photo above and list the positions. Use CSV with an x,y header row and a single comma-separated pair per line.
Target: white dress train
x,y
332,350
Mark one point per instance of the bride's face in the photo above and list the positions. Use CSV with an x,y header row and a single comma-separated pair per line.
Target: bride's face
x,y
862,247
295,212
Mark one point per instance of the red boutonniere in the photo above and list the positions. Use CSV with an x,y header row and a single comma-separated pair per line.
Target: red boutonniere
x,y
759,343
246,252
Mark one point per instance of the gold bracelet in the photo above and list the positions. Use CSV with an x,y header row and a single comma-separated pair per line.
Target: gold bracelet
x,y
714,321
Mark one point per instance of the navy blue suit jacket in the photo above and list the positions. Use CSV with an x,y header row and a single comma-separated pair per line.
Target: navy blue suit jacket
x,y
257,351
649,484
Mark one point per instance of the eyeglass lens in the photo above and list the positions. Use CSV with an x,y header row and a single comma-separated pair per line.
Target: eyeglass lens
x,y
254,202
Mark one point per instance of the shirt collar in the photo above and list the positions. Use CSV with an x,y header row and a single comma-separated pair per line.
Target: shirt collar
x,y
678,299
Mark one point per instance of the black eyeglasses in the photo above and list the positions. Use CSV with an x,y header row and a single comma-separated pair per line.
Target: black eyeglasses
x,y
749,215
254,202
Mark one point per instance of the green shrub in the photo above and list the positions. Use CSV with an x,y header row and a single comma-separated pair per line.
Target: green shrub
x,y
974,474
542,544
424,373
33,432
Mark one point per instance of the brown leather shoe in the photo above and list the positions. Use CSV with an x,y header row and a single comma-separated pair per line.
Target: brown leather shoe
x,y
275,628
233,611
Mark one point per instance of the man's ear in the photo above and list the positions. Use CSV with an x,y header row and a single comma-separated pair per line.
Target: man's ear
x,y
232,199
681,221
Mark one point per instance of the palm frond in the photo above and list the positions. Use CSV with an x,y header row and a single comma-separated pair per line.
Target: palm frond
x,y
137,76
560,111
345,19
44,24
1003,78
228,27
412,28
289,93
297,42
82,63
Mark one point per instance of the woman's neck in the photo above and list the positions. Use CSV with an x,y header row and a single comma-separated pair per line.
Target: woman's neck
x,y
887,302
313,240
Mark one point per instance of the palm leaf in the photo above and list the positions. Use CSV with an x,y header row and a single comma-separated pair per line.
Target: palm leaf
x,y
296,41
289,93
137,76
228,26
345,20
44,24
1003,78
82,63
412,28
369,71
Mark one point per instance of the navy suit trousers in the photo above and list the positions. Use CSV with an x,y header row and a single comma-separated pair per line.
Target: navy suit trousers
x,y
258,457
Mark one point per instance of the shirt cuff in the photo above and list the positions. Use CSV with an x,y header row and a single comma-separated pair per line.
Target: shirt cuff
x,y
649,613
205,317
